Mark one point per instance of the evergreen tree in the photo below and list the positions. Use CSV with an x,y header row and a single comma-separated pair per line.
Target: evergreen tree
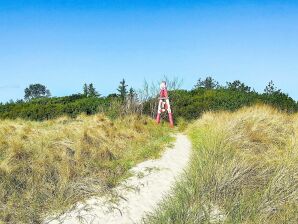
x,y
238,86
92,91
85,90
131,94
208,83
122,89
271,88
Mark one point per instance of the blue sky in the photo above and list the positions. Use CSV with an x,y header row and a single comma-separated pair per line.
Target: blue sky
x,y
63,44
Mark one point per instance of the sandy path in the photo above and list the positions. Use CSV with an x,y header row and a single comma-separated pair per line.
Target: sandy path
x,y
139,194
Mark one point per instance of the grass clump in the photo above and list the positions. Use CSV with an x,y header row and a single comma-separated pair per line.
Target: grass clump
x,y
181,124
47,166
244,169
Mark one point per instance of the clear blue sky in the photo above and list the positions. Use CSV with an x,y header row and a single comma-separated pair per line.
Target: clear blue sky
x,y
63,44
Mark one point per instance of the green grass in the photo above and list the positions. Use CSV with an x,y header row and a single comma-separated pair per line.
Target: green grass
x,y
244,169
45,167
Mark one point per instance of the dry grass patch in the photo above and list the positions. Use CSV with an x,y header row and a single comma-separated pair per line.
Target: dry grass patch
x,y
244,170
48,166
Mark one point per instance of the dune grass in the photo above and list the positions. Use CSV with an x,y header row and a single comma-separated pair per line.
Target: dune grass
x,y
244,169
47,166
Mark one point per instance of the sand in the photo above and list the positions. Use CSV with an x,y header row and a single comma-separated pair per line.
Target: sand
x,y
136,196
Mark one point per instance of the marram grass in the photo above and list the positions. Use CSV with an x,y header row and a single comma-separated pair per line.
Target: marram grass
x,y
244,169
46,167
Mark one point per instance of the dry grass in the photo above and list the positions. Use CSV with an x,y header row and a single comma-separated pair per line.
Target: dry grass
x,y
48,166
244,170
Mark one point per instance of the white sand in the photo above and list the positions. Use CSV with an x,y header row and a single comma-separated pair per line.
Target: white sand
x,y
139,194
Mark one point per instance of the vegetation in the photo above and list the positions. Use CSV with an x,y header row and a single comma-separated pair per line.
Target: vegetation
x,y
208,83
207,95
122,89
35,91
192,104
50,108
90,91
52,156
47,166
244,169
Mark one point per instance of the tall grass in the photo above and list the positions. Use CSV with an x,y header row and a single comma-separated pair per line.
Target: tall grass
x,y
244,169
48,166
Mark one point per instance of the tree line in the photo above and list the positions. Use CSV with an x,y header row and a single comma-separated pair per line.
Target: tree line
x,y
207,94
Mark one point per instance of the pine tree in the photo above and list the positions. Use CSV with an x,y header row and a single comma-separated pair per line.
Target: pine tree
x,y
271,88
131,94
122,89
208,83
237,85
85,90
92,91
